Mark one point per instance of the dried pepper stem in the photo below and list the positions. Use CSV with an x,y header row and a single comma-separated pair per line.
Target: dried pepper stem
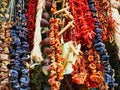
x,y
66,27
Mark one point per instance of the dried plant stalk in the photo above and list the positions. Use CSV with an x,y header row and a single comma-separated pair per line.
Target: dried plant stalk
x,y
65,28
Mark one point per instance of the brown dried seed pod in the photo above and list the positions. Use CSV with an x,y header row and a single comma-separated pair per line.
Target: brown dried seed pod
x,y
46,15
48,50
48,5
46,41
44,23
46,61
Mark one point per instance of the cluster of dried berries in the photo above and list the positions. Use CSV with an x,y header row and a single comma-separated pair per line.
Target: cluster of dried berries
x,y
84,23
100,48
30,15
19,50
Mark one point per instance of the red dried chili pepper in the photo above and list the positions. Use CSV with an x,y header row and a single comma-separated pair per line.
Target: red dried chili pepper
x,y
31,12
84,23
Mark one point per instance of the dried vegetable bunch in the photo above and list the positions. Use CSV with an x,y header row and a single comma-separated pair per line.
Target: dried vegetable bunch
x,y
56,66
45,43
100,48
107,23
85,68
41,42
84,23
19,49
30,15
88,70
5,41
5,54
98,44
64,38
54,52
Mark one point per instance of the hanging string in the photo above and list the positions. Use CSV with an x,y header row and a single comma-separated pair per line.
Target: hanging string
x,y
100,47
31,12
19,74
5,41
86,68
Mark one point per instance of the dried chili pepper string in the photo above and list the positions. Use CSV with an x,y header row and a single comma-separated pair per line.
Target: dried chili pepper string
x,y
59,58
100,47
69,34
83,76
84,29
31,12
19,50
76,77
84,23
57,68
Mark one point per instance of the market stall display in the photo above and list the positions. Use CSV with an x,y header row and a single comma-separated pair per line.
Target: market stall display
x,y
58,44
